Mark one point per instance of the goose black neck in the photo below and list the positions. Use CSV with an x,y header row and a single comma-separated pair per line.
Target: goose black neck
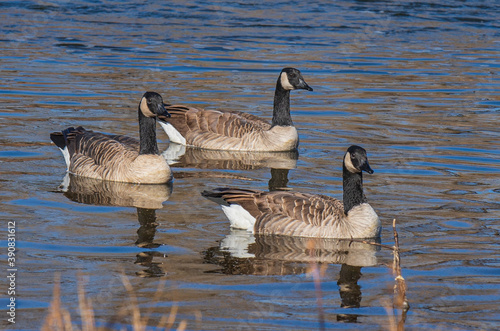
x,y
147,230
353,189
147,135
281,112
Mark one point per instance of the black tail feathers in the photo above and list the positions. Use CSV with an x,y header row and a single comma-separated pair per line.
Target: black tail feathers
x,y
58,139
61,138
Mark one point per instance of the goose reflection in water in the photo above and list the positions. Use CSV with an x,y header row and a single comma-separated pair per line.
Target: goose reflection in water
x,y
243,253
191,157
280,163
146,198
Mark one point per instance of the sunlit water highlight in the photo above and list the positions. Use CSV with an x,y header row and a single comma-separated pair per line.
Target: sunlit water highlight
x,y
415,83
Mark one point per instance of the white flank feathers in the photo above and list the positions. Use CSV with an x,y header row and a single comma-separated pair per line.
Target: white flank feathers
x,y
239,217
172,133
67,158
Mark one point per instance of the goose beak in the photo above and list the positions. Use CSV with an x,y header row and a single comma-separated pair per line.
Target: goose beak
x,y
162,112
366,167
303,85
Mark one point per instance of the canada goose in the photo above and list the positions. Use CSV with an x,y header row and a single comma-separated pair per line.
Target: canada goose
x,y
116,157
305,215
233,130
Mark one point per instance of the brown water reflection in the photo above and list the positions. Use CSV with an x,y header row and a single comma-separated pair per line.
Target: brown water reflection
x,y
146,198
415,83
241,252
107,193
181,156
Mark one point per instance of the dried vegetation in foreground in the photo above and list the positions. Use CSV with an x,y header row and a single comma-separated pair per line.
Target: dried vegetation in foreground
x,y
59,318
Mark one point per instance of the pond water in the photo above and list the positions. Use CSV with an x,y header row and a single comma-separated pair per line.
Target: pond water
x,y
415,83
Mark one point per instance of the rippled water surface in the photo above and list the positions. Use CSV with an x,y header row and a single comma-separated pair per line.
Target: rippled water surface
x,y
415,83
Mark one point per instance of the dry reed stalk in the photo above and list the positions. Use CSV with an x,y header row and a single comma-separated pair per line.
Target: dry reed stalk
x,y
386,303
140,323
58,318
400,300
182,325
137,323
85,306
167,321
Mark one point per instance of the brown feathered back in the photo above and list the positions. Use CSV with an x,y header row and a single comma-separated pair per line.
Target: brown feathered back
x,y
299,214
228,130
111,157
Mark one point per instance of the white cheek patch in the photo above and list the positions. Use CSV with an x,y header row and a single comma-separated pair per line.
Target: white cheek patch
x,y
348,163
285,83
174,135
239,217
145,109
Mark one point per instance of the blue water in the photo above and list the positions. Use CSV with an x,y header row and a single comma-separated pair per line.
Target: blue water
x,y
415,83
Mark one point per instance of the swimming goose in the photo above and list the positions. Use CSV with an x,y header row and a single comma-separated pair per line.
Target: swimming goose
x,y
305,215
233,130
116,157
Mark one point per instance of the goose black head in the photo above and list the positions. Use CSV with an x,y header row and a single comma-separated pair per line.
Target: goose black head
x,y
291,79
152,105
356,160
